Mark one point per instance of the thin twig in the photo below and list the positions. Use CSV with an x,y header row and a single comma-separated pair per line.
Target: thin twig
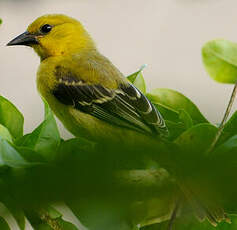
x,y
227,113
173,216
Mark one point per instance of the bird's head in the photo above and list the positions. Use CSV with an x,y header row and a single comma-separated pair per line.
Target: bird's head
x,y
55,35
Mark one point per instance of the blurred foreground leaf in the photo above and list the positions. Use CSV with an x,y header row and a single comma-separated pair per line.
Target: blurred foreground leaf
x,y
3,224
220,60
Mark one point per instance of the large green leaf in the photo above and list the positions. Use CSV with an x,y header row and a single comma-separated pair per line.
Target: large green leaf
x,y
176,101
220,60
137,79
45,139
10,157
3,224
198,138
11,118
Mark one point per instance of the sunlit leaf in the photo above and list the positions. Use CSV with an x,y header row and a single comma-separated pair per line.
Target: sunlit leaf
x,y
176,101
220,60
137,79
10,157
5,134
11,118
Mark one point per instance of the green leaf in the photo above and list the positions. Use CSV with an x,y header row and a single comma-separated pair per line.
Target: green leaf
x,y
45,139
0,21
229,146
185,118
176,101
220,60
168,113
229,129
10,157
3,224
5,134
137,80
198,138
76,145
175,129
11,118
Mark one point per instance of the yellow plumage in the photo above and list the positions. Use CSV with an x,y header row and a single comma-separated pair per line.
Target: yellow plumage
x,y
85,90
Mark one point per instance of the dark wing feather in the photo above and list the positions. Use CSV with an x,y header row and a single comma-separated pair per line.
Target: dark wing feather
x,y
125,106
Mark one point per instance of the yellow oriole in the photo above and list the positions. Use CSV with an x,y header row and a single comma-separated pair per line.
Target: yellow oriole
x,y
85,90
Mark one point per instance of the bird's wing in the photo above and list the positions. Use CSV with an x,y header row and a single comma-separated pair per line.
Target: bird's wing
x,y
125,106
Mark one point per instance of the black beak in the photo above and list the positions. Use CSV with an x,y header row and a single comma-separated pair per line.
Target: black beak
x,y
25,39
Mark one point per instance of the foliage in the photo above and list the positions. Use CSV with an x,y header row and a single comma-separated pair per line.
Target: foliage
x,y
116,187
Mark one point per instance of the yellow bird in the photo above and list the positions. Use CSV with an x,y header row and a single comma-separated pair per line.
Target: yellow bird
x,y
84,89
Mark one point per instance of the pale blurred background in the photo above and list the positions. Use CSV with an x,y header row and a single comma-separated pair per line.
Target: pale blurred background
x,y
165,34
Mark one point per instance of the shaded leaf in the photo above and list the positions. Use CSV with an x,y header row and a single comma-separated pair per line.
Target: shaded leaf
x,y
229,145
137,79
176,101
229,129
168,113
198,138
45,139
76,145
3,224
11,118
220,60
175,129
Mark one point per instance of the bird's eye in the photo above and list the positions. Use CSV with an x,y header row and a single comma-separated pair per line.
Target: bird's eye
x,y
46,28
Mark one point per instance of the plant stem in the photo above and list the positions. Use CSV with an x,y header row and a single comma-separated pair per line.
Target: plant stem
x,y
227,113
173,216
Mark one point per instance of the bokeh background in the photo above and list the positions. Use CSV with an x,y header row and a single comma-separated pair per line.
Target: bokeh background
x,y
167,35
